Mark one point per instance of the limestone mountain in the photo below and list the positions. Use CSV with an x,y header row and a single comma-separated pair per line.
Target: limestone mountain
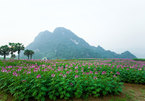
x,y
64,44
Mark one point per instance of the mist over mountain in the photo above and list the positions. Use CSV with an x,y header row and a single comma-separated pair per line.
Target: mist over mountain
x,y
64,44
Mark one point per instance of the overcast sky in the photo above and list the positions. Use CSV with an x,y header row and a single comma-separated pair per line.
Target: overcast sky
x,y
116,25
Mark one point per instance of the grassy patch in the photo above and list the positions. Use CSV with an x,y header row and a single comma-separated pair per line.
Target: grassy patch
x,y
3,97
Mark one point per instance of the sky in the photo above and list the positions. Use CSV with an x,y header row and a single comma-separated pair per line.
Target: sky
x,y
117,25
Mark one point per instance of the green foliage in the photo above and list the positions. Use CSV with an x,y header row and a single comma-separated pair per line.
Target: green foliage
x,y
66,79
29,53
19,47
139,59
4,50
12,49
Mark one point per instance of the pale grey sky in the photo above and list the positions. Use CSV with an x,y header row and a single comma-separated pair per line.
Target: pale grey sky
x,y
116,25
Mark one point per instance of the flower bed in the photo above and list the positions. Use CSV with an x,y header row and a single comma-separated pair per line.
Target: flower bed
x,y
68,79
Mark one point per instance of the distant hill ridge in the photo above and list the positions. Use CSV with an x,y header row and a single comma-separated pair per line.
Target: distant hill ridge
x,y
64,44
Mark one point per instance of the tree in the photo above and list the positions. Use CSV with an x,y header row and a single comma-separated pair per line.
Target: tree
x,y
12,49
31,53
27,53
19,47
4,50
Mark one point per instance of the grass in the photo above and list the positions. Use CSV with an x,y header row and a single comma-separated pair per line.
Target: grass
x,y
131,92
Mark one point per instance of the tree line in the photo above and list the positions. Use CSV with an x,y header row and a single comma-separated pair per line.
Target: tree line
x,y
10,49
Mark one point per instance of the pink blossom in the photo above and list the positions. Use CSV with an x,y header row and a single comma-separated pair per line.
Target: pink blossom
x,y
118,73
114,75
71,84
76,71
91,72
28,72
67,72
64,75
60,74
95,77
76,67
83,73
139,69
53,75
76,76
38,76
104,72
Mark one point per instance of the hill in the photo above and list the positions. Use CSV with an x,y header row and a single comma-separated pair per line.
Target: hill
x,y
64,44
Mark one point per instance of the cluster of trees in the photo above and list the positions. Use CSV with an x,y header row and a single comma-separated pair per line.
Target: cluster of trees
x,y
29,53
14,47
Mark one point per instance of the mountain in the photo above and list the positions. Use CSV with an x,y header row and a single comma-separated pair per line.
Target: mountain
x,y
64,44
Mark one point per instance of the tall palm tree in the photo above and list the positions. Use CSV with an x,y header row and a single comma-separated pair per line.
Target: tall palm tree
x,y
27,53
12,49
31,53
19,47
4,50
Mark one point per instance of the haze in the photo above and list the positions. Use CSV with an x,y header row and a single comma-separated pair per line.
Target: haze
x,y
116,25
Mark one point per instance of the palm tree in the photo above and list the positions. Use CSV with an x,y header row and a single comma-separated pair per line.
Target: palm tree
x,y
27,53
31,53
19,47
12,49
4,50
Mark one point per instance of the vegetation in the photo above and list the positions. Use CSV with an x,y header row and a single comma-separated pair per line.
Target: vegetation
x,y
66,79
4,50
29,53
19,47
15,47
12,49
139,59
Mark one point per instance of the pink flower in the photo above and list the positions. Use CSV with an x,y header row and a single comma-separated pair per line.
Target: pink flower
x,y
96,72
118,73
95,77
139,69
76,76
67,72
91,72
127,69
76,71
76,67
71,84
15,74
53,75
83,73
114,75
87,73
28,72
104,72
60,74
64,75
38,76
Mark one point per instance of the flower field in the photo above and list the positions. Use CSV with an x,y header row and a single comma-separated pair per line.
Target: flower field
x,y
66,79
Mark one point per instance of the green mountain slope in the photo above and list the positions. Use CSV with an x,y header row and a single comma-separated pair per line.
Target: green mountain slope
x,y
64,44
